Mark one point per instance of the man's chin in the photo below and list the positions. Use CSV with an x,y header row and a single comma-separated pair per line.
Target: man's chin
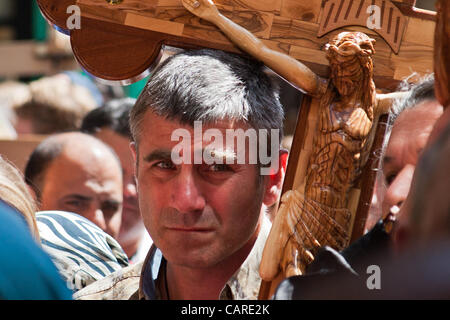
x,y
192,254
193,261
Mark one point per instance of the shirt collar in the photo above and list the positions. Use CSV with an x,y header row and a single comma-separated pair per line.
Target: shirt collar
x,y
149,274
243,285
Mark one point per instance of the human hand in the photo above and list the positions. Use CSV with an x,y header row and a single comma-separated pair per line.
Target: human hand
x,y
205,9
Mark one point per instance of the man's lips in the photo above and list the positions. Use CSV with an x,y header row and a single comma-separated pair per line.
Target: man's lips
x,y
190,229
134,210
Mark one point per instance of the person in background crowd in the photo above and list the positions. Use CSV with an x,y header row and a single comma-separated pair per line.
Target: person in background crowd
x,y
7,130
78,173
15,192
419,267
413,119
428,218
109,123
414,115
56,104
27,272
82,252
12,95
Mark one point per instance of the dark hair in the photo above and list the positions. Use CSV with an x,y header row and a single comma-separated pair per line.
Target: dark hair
x,y
114,115
40,159
210,85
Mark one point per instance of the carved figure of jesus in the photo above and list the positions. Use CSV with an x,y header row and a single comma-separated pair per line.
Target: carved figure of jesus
x,y
348,107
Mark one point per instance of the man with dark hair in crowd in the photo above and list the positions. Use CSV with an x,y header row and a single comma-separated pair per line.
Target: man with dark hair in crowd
x,y
77,181
206,216
110,123
78,173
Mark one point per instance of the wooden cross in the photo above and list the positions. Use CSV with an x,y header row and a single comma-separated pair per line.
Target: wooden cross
x,y
295,27
119,40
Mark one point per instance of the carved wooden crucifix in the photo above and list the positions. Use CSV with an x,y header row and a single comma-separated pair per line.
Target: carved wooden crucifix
x,y
329,180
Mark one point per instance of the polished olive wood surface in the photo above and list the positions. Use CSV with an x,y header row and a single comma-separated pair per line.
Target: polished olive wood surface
x,y
119,42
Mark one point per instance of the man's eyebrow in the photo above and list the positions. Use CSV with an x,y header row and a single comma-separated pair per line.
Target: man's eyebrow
x,y
78,197
112,202
159,154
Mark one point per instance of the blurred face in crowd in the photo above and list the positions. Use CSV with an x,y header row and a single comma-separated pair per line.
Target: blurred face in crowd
x,y
85,179
132,227
199,215
408,138
425,215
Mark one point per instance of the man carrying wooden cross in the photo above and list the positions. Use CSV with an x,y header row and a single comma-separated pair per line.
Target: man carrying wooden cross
x,y
206,215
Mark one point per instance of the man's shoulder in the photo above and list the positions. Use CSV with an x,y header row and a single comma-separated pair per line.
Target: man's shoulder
x,y
121,285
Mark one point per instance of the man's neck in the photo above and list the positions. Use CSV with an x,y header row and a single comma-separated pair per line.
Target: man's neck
x,y
185,283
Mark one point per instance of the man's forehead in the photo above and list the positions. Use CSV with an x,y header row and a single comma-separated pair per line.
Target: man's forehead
x,y
411,131
67,172
417,119
90,186
155,127
151,116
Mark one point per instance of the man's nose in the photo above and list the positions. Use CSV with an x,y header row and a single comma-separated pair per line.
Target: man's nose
x,y
129,190
186,196
399,188
97,217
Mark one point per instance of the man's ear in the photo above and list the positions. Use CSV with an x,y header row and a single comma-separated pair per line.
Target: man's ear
x,y
135,153
275,180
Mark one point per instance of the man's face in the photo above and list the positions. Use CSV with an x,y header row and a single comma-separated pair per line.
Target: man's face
x,y
88,186
408,138
131,217
199,215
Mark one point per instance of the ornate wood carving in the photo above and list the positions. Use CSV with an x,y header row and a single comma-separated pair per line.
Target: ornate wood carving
x,y
288,26
341,13
318,210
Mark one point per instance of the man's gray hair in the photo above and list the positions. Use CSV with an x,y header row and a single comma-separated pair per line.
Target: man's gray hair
x,y
417,93
210,85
